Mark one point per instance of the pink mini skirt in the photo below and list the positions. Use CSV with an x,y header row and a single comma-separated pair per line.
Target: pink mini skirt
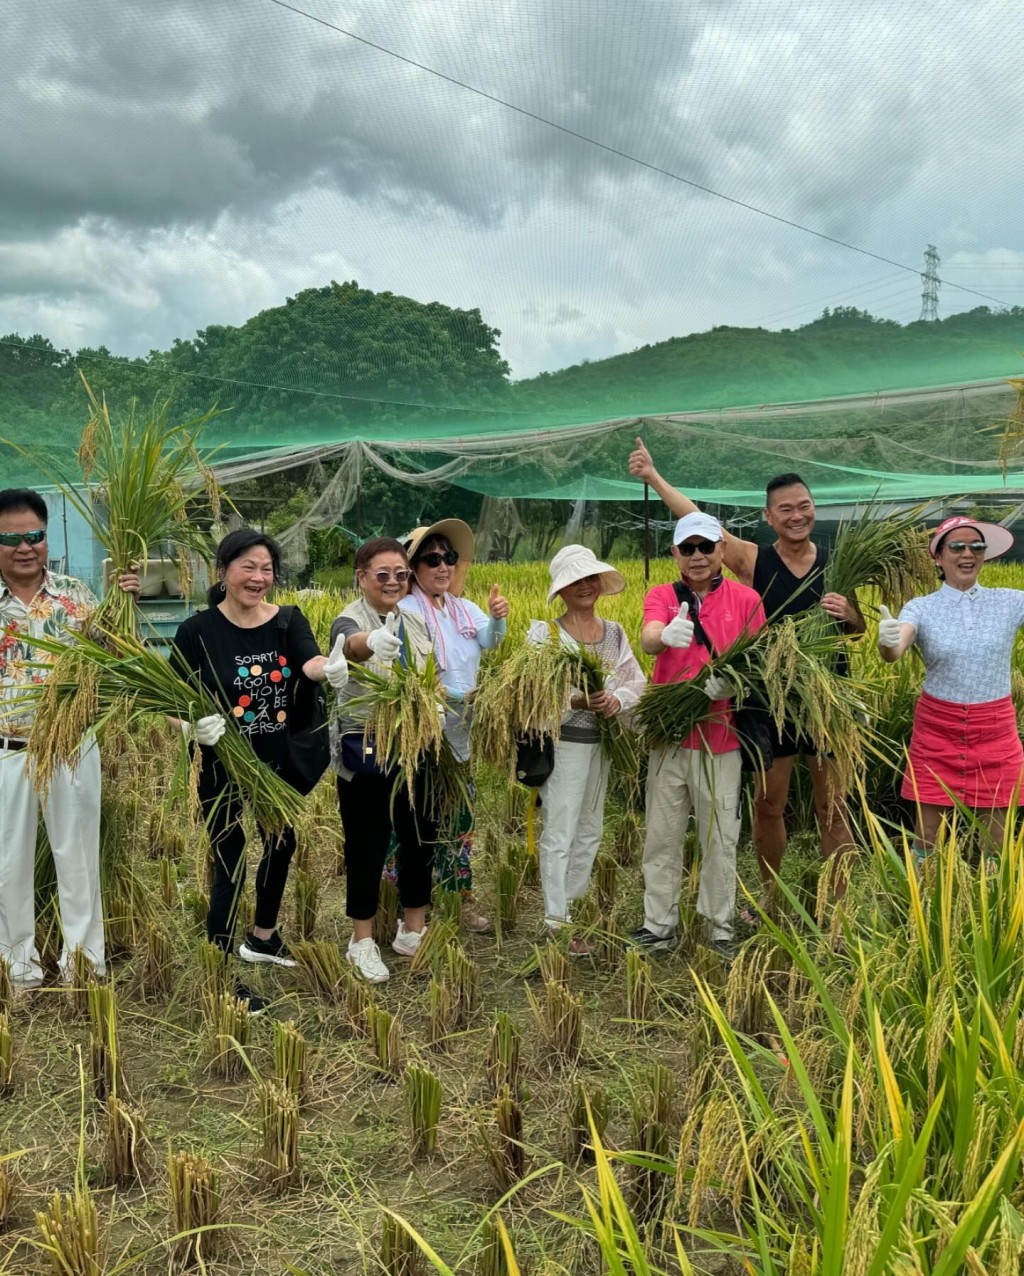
x,y
970,752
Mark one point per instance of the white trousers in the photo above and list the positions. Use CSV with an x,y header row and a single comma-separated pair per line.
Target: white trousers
x,y
572,799
681,782
72,816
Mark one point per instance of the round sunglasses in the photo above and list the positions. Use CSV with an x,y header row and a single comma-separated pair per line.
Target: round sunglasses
x,y
435,558
400,574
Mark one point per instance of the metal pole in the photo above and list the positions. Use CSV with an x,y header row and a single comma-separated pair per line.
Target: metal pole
x,y
647,533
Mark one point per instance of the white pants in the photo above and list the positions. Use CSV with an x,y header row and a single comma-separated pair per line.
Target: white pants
x,y
72,816
681,781
572,800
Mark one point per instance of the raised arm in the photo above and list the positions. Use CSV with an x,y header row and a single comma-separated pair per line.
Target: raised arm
x,y
739,556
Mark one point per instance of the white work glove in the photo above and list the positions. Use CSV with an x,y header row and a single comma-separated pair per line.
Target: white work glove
x,y
336,666
678,632
718,687
889,630
207,731
385,643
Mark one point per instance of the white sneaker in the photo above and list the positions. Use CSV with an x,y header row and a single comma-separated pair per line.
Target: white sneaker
x,y
406,942
365,957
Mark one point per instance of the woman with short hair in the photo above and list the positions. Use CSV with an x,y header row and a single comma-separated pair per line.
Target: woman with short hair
x,y
372,800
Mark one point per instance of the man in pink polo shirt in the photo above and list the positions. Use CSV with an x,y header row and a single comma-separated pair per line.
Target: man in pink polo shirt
x,y
703,774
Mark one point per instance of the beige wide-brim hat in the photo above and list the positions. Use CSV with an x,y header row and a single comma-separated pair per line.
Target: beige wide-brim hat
x,y
575,562
460,537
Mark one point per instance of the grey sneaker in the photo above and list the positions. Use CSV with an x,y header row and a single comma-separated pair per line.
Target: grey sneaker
x,y
725,948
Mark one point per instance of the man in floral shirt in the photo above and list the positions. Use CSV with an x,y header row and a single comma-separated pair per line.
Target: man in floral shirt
x,y
35,602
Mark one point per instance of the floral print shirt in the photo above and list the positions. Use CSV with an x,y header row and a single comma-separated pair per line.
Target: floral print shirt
x,y
62,603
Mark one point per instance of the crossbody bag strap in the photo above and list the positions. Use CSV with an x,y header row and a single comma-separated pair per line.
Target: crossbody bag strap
x,y
683,595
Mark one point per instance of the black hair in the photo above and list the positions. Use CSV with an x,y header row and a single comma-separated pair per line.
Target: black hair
x,y
13,500
782,480
233,546
369,550
437,540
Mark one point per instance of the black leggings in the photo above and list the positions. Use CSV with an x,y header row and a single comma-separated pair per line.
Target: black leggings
x,y
368,818
223,815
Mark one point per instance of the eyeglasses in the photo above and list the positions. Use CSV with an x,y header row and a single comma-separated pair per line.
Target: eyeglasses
x,y
11,540
958,547
400,574
435,558
706,547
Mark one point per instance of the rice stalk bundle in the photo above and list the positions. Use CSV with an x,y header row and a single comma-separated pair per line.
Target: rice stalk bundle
x,y
195,1198
463,977
491,1259
8,1192
628,842
606,881
652,1114
607,940
889,555
168,883
503,1142
290,1054
502,1061
640,996
399,1253
6,1053
448,906
588,1112
507,884
213,977
403,719
440,1012
552,964
385,1032
525,694
437,938
157,973
133,683
559,1019
321,967
357,1003
786,669
83,975
125,1147
385,920
230,1036
70,1236
423,1103
279,1120
119,924
6,987
107,1077
307,891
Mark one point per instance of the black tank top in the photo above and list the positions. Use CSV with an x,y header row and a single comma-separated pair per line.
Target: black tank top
x,y
782,593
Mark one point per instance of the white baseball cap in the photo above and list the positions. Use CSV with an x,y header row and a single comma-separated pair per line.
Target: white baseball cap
x,y
698,523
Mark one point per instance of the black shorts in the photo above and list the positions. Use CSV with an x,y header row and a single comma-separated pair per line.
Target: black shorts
x,y
788,744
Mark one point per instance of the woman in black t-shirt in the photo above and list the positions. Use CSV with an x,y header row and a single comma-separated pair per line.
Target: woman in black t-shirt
x,y
251,663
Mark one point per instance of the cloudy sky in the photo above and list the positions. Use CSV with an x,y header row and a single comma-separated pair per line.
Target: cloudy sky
x,y
168,164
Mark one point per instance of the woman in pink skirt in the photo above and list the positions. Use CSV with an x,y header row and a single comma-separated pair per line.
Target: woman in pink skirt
x,y
964,748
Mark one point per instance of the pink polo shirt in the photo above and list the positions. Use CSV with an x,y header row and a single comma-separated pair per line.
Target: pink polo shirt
x,y
725,612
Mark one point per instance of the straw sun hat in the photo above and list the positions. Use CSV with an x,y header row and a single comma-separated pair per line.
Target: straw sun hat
x,y
458,534
575,562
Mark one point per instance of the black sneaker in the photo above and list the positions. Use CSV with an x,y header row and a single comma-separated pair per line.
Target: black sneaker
x,y
650,942
273,950
725,948
257,1004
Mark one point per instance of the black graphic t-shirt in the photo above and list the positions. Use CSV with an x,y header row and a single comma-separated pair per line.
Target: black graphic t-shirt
x,y
252,672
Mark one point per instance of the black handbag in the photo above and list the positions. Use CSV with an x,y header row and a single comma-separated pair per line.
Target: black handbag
x,y
535,760
309,745
359,754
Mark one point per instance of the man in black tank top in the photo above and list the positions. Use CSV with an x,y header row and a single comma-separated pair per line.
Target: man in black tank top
x,y
790,577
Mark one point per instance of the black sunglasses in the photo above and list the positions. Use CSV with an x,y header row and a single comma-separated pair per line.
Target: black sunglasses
x,y
706,547
435,558
11,540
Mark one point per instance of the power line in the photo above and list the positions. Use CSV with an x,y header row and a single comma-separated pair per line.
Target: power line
x,y
614,150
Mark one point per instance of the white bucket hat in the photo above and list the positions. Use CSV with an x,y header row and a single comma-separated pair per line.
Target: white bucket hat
x,y
576,562
697,523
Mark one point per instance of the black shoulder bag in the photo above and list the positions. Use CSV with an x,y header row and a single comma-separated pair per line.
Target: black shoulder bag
x,y
752,722
309,746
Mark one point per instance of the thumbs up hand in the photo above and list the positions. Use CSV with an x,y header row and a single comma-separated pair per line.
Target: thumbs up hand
x,y
678,632
889,630
497,605
385,642
336,666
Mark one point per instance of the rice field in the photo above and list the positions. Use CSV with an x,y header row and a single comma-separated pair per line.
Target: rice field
x,y
847,1097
